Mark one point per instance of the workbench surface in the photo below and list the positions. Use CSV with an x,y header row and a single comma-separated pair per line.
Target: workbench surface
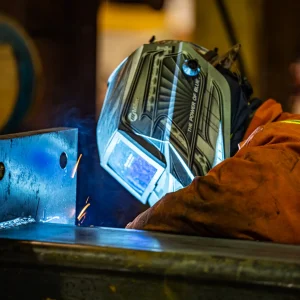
x,y
119,260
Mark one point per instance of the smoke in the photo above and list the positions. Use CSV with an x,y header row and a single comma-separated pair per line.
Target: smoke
x,y
66,116
110,204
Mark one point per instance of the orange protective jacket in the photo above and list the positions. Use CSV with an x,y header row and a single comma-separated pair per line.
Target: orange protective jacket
x,y
253,195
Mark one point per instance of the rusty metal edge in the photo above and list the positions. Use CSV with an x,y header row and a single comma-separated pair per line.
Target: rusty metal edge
x,y
34,132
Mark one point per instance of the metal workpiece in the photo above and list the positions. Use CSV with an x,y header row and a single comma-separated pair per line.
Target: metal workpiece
x,y
68,262
38,176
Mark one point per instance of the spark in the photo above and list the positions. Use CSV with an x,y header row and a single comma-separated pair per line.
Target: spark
x,y
82,215
76,166
83,218
83,211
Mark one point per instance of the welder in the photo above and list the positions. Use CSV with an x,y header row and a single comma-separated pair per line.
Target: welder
x,y
180,130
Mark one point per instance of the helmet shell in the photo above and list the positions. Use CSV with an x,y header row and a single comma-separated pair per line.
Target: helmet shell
x,y
165,119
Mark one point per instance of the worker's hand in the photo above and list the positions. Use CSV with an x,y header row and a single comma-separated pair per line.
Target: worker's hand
x,y
138,222
154,217
295,98
170,214
141,220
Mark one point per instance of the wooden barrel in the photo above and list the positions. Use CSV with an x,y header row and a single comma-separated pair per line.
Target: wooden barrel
x,y
20,75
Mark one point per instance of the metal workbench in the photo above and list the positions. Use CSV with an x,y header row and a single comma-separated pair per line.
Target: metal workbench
x,y
60,261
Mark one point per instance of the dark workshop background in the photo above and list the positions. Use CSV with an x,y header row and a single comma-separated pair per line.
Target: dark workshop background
x,y
81,42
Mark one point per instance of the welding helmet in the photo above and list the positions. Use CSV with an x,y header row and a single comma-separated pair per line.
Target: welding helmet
x,y
166,117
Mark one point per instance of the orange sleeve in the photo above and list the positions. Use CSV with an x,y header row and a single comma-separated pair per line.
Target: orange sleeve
x,y
253,195
268,112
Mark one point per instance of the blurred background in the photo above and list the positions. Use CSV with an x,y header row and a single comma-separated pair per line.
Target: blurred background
x,y
56,56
